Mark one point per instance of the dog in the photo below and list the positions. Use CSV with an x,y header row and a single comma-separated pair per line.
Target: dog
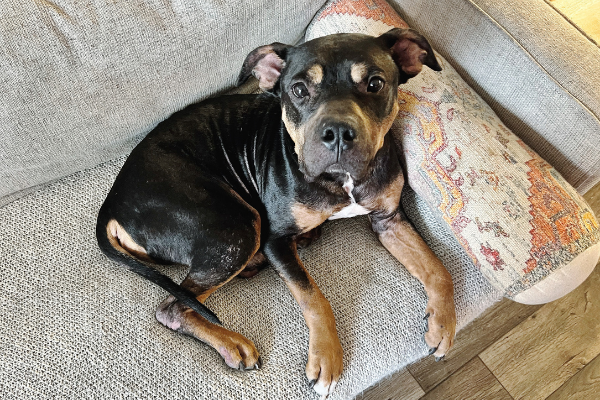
x,y
235,182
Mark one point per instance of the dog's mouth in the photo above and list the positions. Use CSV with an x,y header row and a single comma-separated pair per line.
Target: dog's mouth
x,y
335,170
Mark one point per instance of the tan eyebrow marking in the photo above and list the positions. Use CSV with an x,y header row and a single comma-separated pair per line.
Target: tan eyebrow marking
x,y
315,74
358,72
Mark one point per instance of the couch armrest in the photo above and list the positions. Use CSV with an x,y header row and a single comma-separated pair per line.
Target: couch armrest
x,y
536,70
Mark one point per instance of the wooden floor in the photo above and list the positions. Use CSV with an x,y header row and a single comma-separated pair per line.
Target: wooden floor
x,y
515,351
585,14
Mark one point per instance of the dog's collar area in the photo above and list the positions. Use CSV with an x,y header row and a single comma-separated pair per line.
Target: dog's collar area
x,y
353,209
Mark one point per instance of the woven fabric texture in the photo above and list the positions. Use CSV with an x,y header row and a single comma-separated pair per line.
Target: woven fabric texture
x,y
531,66
83,82
514,214
75,325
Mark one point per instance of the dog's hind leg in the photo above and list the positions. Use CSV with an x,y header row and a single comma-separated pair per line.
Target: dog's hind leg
x,y
212,269
237,351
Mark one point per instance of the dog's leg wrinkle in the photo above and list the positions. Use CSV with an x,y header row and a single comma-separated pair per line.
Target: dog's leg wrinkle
x,y
256,264
307,238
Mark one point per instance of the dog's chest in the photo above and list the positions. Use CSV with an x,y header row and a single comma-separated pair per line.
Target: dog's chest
x,y
353,209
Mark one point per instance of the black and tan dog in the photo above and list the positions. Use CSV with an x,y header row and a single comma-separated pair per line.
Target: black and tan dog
x,y
234,182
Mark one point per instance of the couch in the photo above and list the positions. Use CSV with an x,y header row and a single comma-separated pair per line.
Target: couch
x,y
83,82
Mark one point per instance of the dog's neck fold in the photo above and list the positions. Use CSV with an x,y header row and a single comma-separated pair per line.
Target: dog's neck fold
x,y
348,186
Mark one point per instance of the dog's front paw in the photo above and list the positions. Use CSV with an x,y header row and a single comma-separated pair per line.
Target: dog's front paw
x,y
325,364
441,326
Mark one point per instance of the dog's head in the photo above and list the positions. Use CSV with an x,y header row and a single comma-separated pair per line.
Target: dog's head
x,y
339,93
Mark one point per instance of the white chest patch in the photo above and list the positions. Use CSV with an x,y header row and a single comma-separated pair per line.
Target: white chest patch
x,y
354,208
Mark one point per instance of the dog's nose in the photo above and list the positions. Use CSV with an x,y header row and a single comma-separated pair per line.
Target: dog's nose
x,y
338,137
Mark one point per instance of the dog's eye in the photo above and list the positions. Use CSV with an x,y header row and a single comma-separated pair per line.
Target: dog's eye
x,y
300,90
375,85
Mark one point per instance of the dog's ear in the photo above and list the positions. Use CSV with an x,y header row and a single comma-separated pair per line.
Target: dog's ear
x,y
410,51
265,63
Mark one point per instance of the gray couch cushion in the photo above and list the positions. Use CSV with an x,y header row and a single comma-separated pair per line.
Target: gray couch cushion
x,y
82,82
75,325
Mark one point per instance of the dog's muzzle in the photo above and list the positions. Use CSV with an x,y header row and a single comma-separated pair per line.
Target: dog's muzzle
x,y
338,137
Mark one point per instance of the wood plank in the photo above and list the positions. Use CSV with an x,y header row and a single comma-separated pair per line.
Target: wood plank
x,y
585,385
546,350
583,13
472,381
399,386
492,325
593,198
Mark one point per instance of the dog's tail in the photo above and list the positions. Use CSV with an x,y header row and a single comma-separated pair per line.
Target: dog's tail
x,y
110,245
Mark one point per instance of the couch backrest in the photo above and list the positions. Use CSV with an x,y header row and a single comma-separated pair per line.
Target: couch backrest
x,y
83,82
